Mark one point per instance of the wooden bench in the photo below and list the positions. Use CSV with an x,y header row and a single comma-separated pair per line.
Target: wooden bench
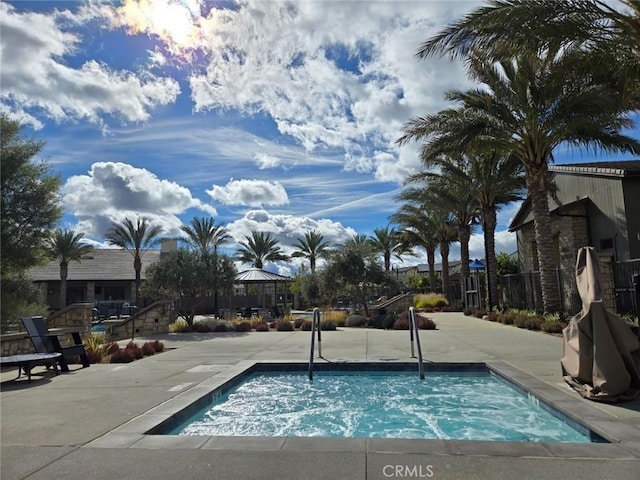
x,y
30,360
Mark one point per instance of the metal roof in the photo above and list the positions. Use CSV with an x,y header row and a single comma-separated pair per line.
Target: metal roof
x,y
256,275
101,264
608,169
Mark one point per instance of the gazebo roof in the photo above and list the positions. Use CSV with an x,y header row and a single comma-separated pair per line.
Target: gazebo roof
x,y
257,275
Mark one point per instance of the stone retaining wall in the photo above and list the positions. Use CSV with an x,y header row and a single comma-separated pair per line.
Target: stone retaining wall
x,y
149,321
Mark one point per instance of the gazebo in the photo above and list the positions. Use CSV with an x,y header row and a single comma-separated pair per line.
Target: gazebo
x,y
258,276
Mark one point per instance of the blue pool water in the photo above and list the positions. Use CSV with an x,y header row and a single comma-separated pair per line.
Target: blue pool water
x,y
446,405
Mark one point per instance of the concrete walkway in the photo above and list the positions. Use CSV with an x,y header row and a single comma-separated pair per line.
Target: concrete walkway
x,y
59,427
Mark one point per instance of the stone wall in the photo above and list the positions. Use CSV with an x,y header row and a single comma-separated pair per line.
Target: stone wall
x,y
152,320
76,317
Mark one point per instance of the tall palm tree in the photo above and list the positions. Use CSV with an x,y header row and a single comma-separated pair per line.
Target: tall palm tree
x,y
135,238
312,246
387,242
417,230
66,246
491,180
204,235
507,27
529,106
258,248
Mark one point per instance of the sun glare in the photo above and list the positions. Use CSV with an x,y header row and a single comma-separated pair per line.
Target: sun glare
x,y
175,22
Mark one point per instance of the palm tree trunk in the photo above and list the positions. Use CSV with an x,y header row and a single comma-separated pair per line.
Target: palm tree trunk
x,y
490,221
64,269
387,261
537,183
444,252
464,235
431,260
137,266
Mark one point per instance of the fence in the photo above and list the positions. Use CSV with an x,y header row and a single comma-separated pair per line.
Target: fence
x,y
626,279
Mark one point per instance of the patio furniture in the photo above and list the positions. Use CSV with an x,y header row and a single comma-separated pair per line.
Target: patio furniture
x,y
47,342
27,361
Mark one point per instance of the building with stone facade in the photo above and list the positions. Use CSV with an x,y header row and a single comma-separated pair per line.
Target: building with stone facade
x,y
591,204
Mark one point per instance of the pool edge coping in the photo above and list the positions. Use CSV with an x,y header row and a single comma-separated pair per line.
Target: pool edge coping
x,y
624,438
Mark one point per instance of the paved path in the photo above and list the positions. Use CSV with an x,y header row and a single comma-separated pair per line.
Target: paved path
x,y
48,425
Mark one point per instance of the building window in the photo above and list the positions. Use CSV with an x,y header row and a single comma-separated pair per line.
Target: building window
x,y
606,244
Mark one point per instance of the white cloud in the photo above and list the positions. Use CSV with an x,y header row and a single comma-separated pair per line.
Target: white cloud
x,y
288,228
253,193
35,76
113,191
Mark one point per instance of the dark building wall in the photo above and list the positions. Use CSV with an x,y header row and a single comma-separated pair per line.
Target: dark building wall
x,y
631,189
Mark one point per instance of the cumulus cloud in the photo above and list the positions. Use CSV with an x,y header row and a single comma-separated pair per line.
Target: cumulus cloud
x,y
253,193
113,191
36,77
287,229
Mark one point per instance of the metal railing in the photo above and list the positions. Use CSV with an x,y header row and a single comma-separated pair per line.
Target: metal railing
x,y
315,324
413,328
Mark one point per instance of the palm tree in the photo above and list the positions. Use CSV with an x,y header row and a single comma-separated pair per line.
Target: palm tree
x,y
417,230
135,238
508,27
312,246
530,106
204,234
259,248
491,181
386,241
66,246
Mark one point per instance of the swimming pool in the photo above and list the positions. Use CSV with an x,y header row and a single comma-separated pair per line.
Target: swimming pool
x,y
464,403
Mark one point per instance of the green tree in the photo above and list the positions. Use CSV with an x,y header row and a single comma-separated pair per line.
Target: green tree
x,y
30,205
29,211
182,276
204,235
312,246
353,266
507,264
135,238
387,242
259,248
66,246
529,107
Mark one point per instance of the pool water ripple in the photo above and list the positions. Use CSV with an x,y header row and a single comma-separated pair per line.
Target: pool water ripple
x,y
449,405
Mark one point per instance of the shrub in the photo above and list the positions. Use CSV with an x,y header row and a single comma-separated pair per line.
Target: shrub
x,y
135,350
430,300
297,323
110,348
284,326
158,346
339,317
534,323
355,321
425,323
402,323
306,325
479,312
179,326
552,326
492,316
221,327
202,327
327,325
94,356
243,326
148,349
256,321
122,356
262,327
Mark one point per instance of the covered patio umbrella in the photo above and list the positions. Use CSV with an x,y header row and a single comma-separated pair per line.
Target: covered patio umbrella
x,y
601,351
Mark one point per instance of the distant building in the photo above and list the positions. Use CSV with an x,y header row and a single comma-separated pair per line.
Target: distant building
x,y
103,275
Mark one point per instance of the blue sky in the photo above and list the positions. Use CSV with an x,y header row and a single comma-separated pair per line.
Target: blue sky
x,y
267,115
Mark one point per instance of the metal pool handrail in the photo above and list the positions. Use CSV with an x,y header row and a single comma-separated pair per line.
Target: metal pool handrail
x,y
315,324
413,326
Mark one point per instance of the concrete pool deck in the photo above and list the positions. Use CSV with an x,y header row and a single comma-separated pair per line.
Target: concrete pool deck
x,y
87,423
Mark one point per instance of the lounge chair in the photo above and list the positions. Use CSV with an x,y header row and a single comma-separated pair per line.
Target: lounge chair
x,y
46,342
